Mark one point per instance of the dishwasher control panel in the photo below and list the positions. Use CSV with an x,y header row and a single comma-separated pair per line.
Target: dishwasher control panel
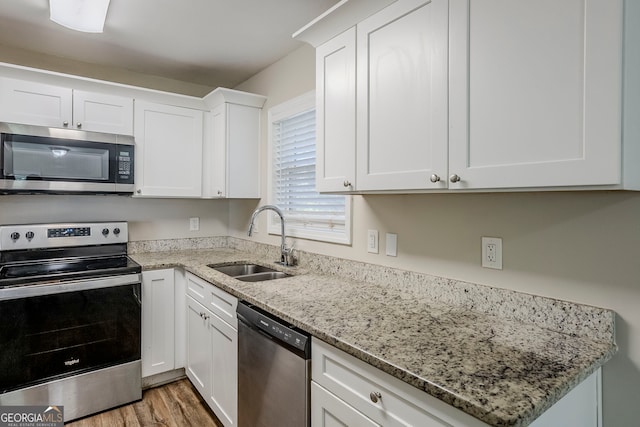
x,y
274,327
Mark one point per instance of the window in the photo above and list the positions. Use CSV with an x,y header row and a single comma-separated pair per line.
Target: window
x,y
292,144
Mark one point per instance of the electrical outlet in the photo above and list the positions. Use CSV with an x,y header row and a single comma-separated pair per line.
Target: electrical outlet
x,y
492,252
392,244
194,223
372,241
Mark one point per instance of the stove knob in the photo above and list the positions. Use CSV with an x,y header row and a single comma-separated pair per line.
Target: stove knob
x,y
116,231
29,235
15,236
105,232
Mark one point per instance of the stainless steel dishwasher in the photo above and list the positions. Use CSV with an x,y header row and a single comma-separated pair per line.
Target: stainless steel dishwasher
x,y
274,369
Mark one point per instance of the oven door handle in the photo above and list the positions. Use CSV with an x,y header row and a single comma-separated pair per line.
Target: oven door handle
x,y
71,286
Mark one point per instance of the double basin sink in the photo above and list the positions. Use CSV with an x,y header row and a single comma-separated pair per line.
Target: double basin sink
x,y
249,272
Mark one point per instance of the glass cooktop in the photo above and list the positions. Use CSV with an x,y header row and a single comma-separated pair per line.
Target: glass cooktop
x,y
65,269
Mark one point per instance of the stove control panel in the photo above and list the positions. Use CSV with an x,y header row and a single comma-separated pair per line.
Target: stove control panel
x,y
69,232
32,236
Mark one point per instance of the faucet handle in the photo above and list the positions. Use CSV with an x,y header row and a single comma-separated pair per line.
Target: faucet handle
x,y
289,258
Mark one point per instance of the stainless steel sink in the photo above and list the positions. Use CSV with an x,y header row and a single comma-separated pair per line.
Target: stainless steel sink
x,y
249,272
259,277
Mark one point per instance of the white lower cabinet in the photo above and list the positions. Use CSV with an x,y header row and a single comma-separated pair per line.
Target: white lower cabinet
x,y
346,391
158,320
327,410
212,347
223,352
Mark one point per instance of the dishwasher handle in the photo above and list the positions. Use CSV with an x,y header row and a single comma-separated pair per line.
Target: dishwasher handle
x,y
276,329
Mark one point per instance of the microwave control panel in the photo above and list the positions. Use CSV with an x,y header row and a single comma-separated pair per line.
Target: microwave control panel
x,y
124,160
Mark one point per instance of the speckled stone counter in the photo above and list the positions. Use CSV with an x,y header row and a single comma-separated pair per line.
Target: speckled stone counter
x,y
501,356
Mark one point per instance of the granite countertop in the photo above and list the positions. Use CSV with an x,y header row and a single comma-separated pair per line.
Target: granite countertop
x,y
501,371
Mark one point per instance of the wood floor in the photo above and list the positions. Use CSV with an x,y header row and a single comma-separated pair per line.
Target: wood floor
x,y
176,404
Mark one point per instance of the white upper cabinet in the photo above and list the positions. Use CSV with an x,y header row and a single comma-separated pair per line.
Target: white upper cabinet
x,y
336,114
402,96
35,103
168,150
232,145
102,113
470,95
55,106
535,93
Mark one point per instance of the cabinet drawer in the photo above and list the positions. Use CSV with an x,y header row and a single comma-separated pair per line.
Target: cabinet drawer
x,y
398,404
215,299
197,288
327,410
223,305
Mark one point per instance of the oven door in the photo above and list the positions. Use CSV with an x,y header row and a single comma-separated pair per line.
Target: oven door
x,y
52,331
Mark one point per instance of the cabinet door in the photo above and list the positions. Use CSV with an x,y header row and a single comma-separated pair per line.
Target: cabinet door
x,y
398,405
402,97
223,397
158,347
581,407
336,114
234,166
535,93
198,366
329,411
102,113
217,155
168,150
35,103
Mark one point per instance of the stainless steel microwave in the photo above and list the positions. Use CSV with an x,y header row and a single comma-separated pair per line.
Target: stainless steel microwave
x,y
37,159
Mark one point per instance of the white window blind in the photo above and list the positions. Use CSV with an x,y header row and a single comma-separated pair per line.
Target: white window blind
x,y
308,213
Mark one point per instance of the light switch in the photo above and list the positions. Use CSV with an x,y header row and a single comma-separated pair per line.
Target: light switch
x,y
372,241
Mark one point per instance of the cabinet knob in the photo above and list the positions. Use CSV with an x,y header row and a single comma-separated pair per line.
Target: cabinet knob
x,y
434,178
346,184
219,192
375,396
78,125
454,178
65,124
139,191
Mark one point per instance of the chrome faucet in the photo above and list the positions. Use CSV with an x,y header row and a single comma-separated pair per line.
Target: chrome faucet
x,y
286,254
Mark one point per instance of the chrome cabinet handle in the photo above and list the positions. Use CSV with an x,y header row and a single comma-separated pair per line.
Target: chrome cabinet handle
x,y
139,191
78,125
346,184
454,178
434,178
375,396
65,124
219,193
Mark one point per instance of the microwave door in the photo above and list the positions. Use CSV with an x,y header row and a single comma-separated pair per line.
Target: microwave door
x,y
59,162
36,163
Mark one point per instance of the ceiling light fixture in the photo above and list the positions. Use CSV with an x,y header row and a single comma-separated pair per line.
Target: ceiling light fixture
x,y
80,15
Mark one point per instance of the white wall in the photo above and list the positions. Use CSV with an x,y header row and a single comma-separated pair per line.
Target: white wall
x,y
578,246
148,218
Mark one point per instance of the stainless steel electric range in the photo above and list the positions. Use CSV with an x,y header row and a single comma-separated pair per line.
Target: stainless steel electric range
x,y
70,317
